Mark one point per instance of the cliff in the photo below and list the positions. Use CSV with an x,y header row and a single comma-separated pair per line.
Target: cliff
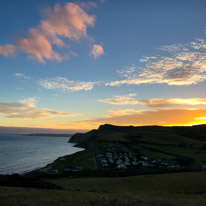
x,y
83,139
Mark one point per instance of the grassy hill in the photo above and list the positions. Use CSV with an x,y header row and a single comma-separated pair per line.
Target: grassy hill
x,y
165,147
195,135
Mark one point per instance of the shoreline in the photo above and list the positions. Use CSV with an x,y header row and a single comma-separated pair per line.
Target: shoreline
x,y
40,166
29,170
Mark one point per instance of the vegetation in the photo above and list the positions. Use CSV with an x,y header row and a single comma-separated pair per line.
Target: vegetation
x,y
16,180
187,145
157,190
183,147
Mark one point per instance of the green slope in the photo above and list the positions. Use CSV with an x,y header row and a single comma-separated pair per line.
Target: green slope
x,y
187,145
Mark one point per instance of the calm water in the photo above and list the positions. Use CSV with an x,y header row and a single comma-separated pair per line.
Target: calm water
x,y
22,153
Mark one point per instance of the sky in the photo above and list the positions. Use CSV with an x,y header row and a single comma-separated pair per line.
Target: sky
x,y
74,65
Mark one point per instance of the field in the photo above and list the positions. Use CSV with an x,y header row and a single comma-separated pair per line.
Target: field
x,y
177,189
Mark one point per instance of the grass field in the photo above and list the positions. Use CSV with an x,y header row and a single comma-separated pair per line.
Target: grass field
x,y
180,189
187,152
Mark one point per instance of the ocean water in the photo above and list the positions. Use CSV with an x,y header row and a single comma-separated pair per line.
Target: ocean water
x,y
19,153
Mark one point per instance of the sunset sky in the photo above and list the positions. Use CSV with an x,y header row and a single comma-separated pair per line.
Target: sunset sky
x,y
79,64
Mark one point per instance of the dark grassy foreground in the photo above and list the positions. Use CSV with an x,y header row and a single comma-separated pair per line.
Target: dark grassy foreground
x,y
179,189
16,180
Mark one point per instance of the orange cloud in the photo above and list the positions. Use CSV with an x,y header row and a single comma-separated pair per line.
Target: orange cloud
x,y
121,112
7,50
155,117
159,102
167,117
97,51
172,102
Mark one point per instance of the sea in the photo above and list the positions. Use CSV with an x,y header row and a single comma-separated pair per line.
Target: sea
x,y
21,153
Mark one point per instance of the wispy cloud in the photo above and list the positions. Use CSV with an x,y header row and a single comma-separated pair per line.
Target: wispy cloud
x,y
183,64
64,84
159,102
121,100
7,50
20,75
172,102
120,112
88,5
26,109
29,101
97,50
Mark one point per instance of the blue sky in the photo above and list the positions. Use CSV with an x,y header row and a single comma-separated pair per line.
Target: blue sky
x,y
79,64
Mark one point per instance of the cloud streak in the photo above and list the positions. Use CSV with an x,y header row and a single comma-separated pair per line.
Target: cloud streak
x,y
20,75
172,102
121,100
26,109
159,102
121,112
64,84
183,64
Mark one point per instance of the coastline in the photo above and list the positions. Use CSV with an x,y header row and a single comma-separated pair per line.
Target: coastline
x,y
17,159
30,170
48,167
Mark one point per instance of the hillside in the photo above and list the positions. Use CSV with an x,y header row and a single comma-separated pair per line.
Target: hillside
x,y
118,167
117,150
149,134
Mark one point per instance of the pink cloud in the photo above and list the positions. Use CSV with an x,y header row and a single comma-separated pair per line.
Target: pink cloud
x,y
38,46
7,50
69,21
97,50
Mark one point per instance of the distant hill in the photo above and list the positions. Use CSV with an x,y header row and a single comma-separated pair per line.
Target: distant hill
x,y
49,135
149,134
142,149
